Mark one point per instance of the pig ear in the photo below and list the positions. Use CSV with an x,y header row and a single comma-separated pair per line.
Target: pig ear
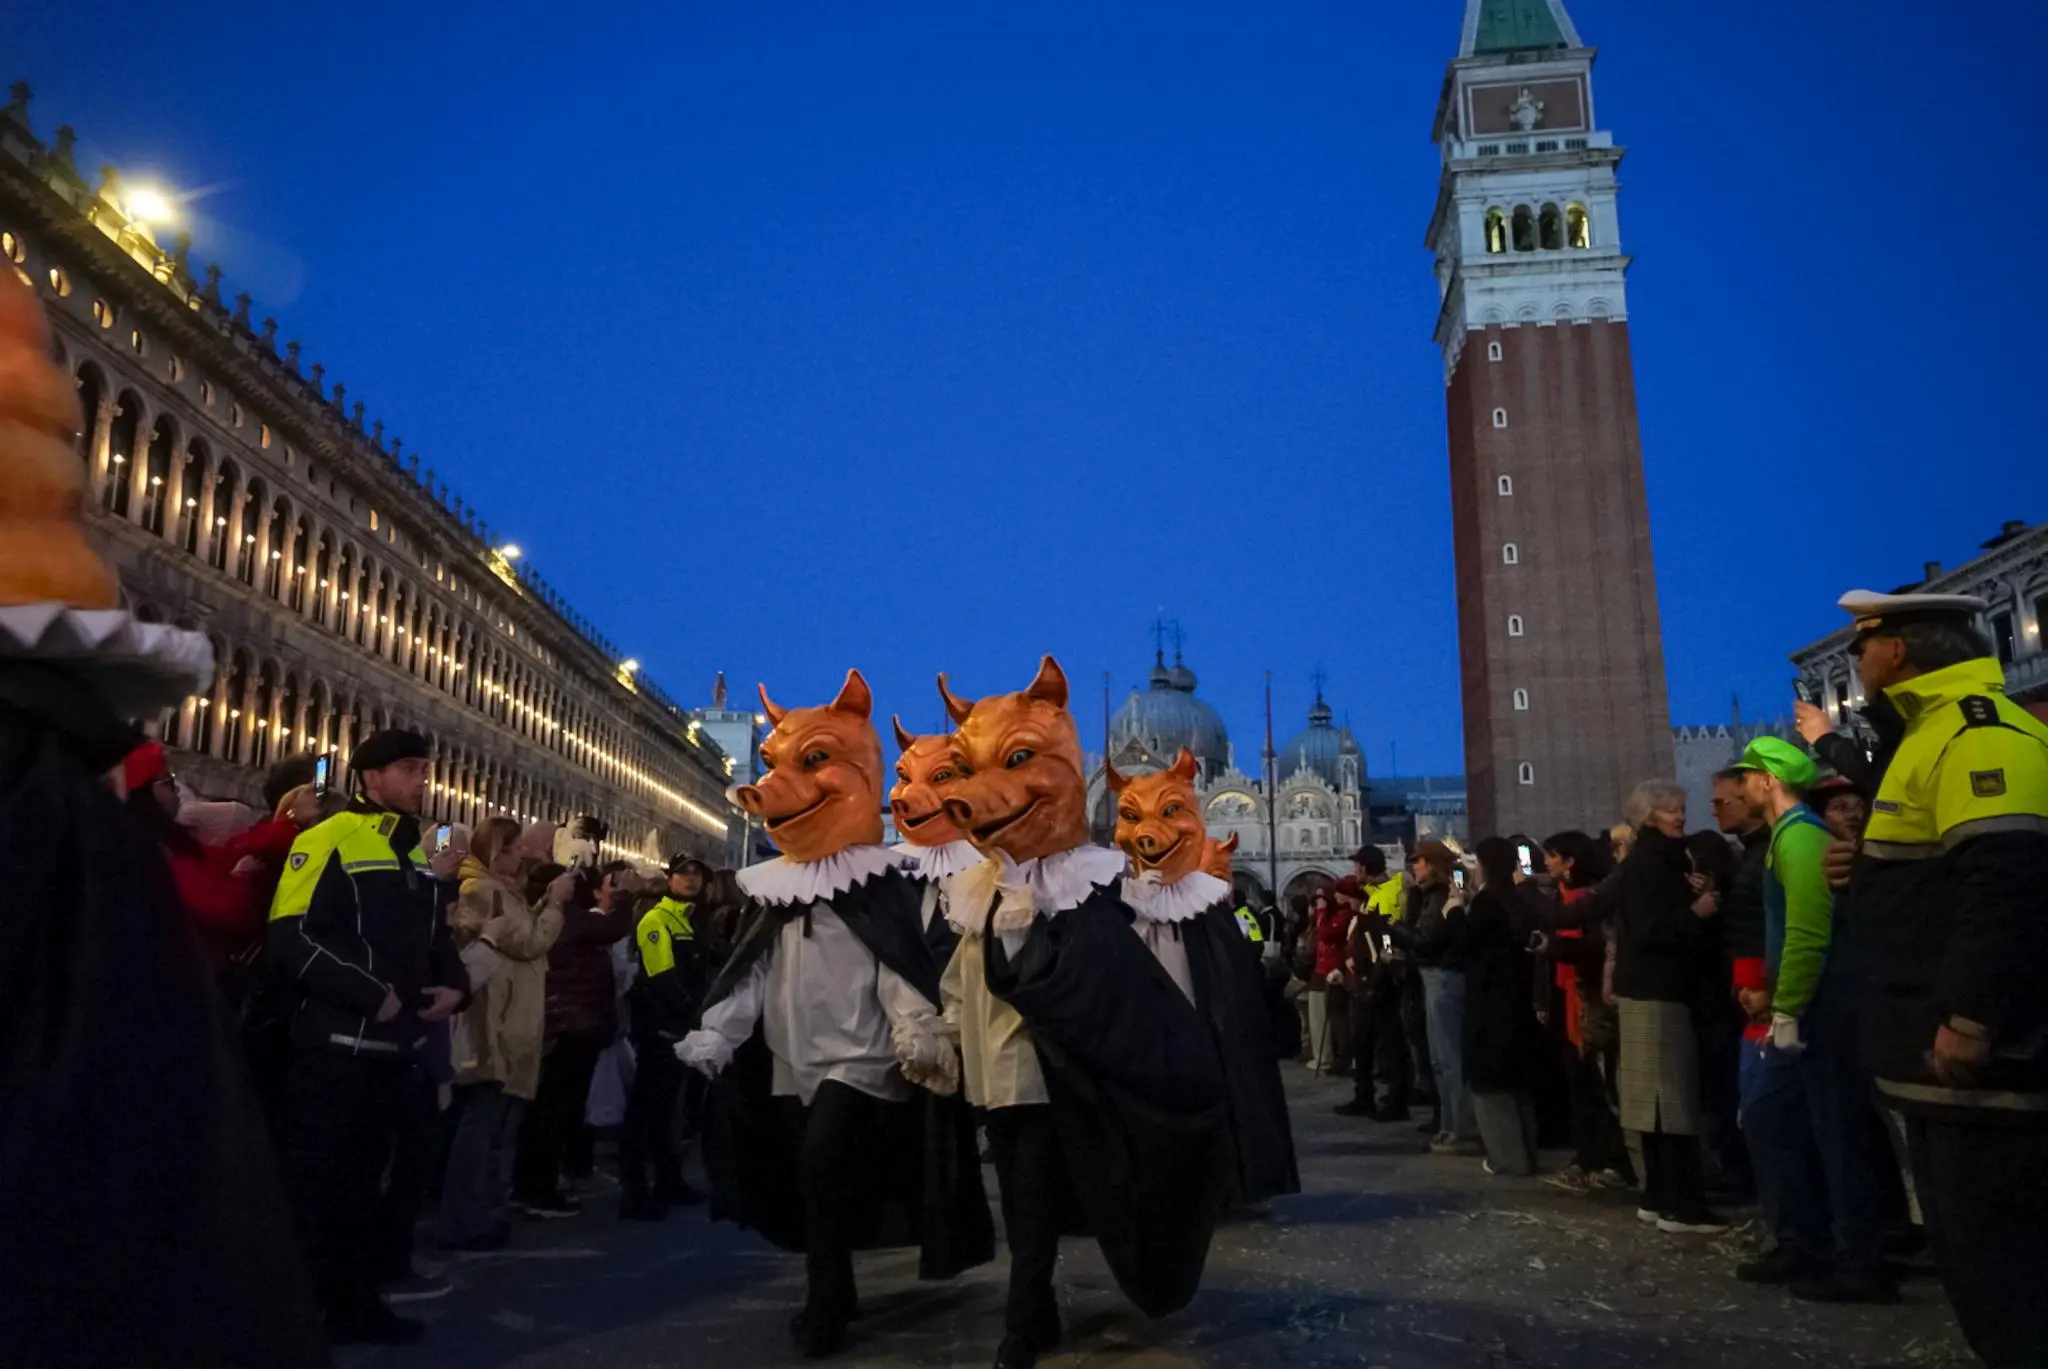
x,y
854,696
775,715
1115,780
1228,846
903,737
1184,766
1051,684
957,708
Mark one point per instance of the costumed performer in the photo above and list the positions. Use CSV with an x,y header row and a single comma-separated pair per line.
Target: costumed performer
x,y
822,1027
1113,1075
932,847
1186,918
144,1219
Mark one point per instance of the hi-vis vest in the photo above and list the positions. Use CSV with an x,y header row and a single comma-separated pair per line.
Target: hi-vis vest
x,y
1971,762
661,927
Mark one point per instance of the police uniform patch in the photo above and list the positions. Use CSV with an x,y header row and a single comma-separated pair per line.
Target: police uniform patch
x,y
298,860
1886,806
654,938
1987,784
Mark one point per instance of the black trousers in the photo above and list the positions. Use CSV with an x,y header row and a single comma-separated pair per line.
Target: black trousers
x,y
1415,1031
340,1119
829,1134
418,1144
1037,1195
1673,1185
648,1138
1986,1205
556,1116
1596,1132
1379,1044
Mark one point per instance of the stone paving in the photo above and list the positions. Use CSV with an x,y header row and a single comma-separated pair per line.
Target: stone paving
x,y
1390,1257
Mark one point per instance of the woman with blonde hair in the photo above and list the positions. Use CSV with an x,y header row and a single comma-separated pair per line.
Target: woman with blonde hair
x,y
1663,905
497,1046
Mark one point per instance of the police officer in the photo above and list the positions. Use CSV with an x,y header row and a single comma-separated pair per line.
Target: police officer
x,y
359,935
663,1007
1946,917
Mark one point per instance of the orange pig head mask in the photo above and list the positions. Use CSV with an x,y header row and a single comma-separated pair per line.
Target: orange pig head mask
x,y
1017,783
1159,820
822,787
923,773
1216,856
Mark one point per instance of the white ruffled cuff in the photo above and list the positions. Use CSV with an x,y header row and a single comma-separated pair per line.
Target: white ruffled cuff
x,y
707,1052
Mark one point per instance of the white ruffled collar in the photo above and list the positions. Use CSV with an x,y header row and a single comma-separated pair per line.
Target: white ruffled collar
x,y
939,862
783,880
1187,897
1015,893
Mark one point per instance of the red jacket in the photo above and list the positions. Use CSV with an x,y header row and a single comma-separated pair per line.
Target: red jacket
x,y
1333,928
230,909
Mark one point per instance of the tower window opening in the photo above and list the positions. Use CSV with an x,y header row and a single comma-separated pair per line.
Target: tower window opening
x,y
1500,418
1521,701
1505,485
1525,773
1525,228
1496,231
1514,625
1550,228
1494,351
1510,554
1578,226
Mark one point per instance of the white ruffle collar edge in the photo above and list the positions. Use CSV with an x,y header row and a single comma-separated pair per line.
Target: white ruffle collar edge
x,y
1186,898
783,880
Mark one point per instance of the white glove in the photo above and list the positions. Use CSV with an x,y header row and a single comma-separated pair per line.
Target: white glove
x,y
926,1058
706,1052
1785,1033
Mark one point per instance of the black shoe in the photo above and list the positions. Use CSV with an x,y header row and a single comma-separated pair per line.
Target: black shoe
x,y
816,1336
547,1207
639,1207
1389,1114
1783,1266
1015,1353
1357,1107
379,1327
1873,1289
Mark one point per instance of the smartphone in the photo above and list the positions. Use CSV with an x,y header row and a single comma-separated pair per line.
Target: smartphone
x,y
1527,858
1458,876
1802,690
320,768
441,835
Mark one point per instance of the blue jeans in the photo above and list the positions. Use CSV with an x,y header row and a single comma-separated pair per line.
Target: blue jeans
x,y
476,1195
1778,1124
1443,997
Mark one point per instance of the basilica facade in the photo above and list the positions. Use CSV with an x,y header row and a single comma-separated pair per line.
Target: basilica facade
x,y
239,493
1297,823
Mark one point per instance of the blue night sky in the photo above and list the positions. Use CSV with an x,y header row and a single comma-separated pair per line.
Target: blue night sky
x,y
786,337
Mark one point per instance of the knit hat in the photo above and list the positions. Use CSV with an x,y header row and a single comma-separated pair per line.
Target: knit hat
x,y
1779,759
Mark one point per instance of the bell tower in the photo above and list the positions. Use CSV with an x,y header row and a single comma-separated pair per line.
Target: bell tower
x,y
1559,642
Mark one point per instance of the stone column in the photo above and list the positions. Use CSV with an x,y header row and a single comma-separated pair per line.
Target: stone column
x,y
138,464
100,446
175,512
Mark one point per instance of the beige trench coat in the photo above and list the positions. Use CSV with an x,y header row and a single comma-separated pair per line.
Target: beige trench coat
x,y
497,1039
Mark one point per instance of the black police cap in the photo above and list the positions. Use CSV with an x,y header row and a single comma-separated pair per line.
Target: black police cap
x,y
388,748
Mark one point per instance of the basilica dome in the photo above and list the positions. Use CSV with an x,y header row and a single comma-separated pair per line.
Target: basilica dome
x,y
1165,716
1320,747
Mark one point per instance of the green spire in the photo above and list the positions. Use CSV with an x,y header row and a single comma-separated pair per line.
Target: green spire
x,y
1520,26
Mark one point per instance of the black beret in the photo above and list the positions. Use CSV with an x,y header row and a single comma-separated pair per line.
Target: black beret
x,y
388,747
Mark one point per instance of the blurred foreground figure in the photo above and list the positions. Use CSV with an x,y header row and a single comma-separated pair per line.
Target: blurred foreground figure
x,y
143,1220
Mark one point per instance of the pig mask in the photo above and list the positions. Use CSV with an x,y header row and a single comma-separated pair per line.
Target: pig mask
x,y
923,773
1216,856
822,790
1018,787
1159,820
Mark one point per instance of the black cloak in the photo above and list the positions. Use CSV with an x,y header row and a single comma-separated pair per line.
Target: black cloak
x,y
144,1222
1230,993
927,1189
1137,1091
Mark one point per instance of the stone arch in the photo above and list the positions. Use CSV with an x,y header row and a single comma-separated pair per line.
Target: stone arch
x,y
1599,308
1550,228
123,436
1523,229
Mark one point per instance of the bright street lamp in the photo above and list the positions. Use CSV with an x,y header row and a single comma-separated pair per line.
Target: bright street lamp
x,y
151,205
509,552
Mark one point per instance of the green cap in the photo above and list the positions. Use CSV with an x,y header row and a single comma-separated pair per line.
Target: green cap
x,y
1780,759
